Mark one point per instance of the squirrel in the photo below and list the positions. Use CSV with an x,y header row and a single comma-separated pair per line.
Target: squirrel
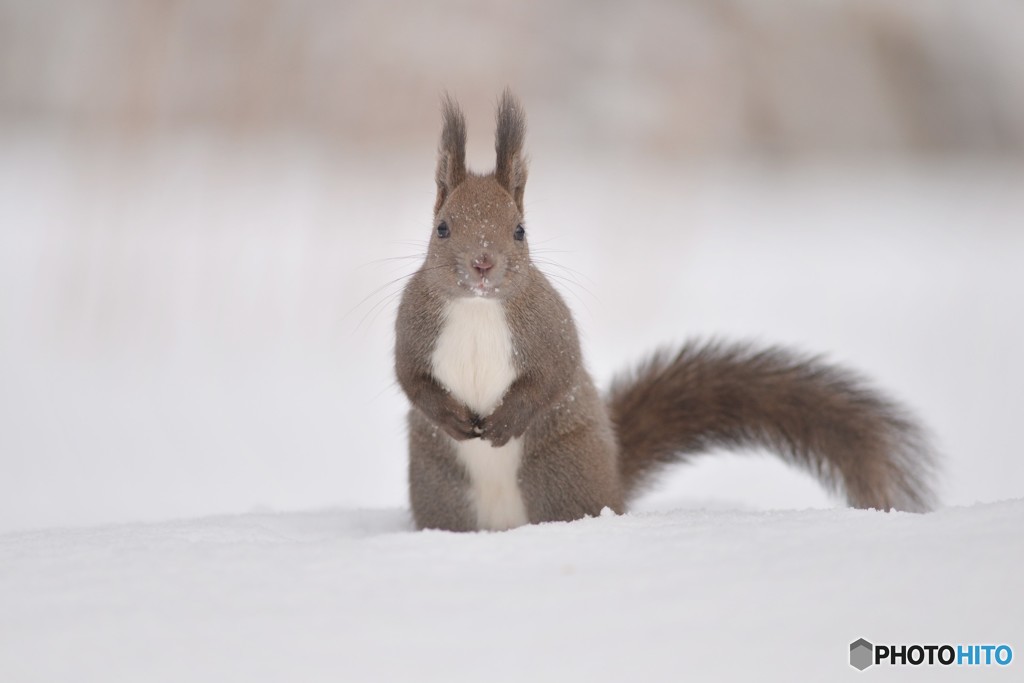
x,y
506,426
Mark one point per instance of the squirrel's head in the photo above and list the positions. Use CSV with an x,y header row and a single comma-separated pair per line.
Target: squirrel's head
x,y
478,245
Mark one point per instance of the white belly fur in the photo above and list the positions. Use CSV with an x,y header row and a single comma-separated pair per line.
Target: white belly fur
x,y
473,360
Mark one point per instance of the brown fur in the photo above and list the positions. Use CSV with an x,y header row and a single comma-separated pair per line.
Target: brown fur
x,y
451,153
818,416
510,133
580,452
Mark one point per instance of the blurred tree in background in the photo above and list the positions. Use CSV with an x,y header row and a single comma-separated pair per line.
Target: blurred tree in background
x,y
800,77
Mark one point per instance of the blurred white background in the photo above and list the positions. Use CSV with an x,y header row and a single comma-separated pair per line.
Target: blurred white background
x,y
202,204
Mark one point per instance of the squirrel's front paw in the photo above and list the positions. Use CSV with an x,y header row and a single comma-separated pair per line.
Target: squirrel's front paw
x,y
457,421
498,432
461,423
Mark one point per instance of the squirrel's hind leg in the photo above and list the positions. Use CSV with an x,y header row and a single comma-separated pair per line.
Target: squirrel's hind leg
x,y
570,468
438,485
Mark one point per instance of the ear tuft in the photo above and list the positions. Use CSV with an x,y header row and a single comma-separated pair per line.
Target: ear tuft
x,y
510,168
451,152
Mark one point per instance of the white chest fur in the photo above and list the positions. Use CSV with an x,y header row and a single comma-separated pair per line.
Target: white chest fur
x,y
473,360
473,356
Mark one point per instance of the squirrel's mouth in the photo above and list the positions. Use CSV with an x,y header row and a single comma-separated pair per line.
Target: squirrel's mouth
x,y
484,288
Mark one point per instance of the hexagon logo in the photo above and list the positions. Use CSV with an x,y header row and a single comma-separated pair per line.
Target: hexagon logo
x,y
861,654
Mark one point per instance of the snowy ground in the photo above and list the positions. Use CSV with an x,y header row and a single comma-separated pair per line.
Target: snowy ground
x,y
348,595
190,329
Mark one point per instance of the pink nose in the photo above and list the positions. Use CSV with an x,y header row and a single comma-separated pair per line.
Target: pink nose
x,y
482,264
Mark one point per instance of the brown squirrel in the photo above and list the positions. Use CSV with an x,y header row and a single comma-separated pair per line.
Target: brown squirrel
x,y
506,426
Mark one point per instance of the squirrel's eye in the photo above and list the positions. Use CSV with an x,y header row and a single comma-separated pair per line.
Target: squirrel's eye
x,y
520,233
442,230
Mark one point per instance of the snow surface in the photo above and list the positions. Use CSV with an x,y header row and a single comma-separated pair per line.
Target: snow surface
x,y
356,595
188,329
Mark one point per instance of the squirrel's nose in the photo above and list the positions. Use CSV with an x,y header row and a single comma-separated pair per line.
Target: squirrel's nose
x,y
482,264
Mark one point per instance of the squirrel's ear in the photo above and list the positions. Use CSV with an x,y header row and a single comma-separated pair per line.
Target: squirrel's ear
x,y
451,152
510,169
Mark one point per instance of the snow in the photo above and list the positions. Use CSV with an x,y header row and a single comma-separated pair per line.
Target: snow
x,y
347,594
190,330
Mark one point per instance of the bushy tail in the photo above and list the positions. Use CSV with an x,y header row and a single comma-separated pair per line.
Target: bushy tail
x,y
812,414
